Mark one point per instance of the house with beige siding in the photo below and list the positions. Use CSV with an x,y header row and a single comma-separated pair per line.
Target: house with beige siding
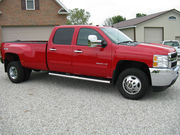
x,y
30,19
153,28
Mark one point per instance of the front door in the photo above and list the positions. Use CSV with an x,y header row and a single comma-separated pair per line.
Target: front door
x,y
90,61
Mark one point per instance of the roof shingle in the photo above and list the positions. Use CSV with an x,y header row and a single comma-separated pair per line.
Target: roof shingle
x,y
135,21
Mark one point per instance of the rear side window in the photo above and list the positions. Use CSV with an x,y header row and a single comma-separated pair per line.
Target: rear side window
x,y
83,36
63,36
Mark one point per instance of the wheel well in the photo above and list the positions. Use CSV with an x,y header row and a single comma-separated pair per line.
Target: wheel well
x,y
9,57
122,65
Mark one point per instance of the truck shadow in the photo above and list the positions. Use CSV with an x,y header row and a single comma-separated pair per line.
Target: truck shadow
x,y
73,84
81,85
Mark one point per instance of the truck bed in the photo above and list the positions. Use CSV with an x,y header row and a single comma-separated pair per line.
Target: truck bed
x,y
32,54
28,42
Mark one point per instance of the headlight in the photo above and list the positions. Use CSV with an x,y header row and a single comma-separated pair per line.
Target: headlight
x,y
160,61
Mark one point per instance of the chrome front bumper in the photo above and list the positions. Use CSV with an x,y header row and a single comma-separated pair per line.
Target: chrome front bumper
x,y
163,77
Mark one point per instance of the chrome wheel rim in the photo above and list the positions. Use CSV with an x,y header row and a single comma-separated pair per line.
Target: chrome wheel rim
x,y
132,85
13,72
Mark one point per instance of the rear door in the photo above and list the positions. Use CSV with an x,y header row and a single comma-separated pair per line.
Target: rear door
x,y
90,61
59,51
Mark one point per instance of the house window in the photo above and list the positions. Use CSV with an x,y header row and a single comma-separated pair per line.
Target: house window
x,y
30,4
172,18
62,11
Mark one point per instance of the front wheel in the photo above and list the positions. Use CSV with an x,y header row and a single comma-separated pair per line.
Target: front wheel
x,y
133,83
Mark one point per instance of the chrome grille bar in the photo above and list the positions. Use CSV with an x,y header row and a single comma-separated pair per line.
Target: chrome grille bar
x,y
173,57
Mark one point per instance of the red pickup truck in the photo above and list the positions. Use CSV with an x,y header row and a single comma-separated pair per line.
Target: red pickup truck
x,y
94,53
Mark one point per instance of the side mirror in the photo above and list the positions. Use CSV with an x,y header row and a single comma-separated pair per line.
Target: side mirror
x,y
93,41
104,44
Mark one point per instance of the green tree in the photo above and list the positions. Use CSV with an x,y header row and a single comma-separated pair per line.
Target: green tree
x,y
118,18
140,15
78,17
114,20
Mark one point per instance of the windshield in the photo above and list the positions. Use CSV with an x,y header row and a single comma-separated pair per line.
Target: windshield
x,y
172,43
116,35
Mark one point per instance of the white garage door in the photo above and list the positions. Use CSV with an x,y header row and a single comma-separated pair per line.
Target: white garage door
x,y
153,35
26,33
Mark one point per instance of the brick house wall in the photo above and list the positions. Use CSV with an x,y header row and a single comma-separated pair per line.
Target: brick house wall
x,y
14,15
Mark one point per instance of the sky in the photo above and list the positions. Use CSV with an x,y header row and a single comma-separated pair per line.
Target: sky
x,y
102,9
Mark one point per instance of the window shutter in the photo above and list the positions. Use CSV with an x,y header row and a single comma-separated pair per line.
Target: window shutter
x,y
23,4
37,4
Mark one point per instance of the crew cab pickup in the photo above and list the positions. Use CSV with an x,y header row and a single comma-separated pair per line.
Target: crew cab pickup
x,y
94,53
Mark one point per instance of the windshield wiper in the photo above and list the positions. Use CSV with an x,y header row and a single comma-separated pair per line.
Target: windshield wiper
x,y
126,42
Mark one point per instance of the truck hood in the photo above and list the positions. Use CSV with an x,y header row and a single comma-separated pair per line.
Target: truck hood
x,y
155,48
142,52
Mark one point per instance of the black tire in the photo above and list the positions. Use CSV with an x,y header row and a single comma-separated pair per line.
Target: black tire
x,y
36,70
27,73
20,72
124,79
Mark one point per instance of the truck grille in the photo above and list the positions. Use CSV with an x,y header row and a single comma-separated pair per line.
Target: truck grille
x,y
173,59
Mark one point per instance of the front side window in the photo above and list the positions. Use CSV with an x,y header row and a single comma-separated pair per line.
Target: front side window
x,y
63,36
83,36
30,4
116,35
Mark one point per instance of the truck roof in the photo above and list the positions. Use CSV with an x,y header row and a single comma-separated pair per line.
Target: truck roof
x,y
77,26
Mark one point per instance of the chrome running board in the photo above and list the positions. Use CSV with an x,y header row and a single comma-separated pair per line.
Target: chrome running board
x,y
80,78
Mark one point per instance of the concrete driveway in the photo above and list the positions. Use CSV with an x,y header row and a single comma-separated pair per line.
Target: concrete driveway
x,y
47,105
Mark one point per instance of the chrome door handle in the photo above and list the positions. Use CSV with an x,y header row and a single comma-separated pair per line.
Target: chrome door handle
x,y
52,49
78,51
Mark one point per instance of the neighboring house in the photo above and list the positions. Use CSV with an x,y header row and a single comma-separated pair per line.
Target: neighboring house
x,y
153,28
30,19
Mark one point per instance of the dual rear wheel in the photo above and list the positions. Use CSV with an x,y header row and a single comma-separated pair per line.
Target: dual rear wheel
x,y
17,73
